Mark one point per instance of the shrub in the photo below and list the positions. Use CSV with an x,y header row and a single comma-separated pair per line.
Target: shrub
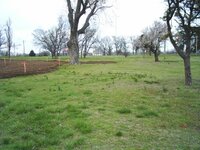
x,y
32,53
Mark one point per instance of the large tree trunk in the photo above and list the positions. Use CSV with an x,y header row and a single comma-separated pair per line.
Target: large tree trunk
x,y
156,56
187,69
53,54
85,51
73,49
9,52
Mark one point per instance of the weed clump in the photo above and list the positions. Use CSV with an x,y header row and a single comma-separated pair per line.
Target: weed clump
x,y
165,90
119,134
147,114
151,82
83,126
88,92
124,111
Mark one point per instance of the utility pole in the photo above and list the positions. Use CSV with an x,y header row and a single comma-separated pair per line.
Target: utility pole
x,y
165,46
24,47
15,46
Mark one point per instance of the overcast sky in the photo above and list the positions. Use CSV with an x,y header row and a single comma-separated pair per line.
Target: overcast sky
x,y
124,18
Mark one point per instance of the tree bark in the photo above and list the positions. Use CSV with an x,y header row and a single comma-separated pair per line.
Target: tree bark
x,y
156,56
187,69
73,49
53,53
82,7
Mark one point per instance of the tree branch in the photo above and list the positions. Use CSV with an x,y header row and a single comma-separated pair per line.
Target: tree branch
x,y
169,16
86,24
70,13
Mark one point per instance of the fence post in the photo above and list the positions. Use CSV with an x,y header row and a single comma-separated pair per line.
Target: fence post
x,y
24,67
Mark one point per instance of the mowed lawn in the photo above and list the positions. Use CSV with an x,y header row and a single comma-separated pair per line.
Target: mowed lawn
x,y
134,103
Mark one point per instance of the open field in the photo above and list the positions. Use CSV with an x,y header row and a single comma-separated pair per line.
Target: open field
x,y
132,104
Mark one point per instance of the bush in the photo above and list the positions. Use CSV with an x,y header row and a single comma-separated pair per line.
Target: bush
x,y
32,53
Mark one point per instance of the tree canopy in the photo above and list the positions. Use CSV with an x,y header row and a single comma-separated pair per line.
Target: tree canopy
x,y
53,40
186,15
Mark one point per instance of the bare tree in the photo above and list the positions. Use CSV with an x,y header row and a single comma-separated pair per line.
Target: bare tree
x,y
186,13
86,41
103,46
133,42
98,49
109,46
116,42
9,35
106,45
53,40
152,38
124,47
80,9
136,43
2,38
120,45
196,40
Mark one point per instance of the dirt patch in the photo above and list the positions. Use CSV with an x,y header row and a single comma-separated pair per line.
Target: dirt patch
x,y
13,68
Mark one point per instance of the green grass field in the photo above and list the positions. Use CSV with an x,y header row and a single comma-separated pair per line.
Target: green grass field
x,y
132,104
